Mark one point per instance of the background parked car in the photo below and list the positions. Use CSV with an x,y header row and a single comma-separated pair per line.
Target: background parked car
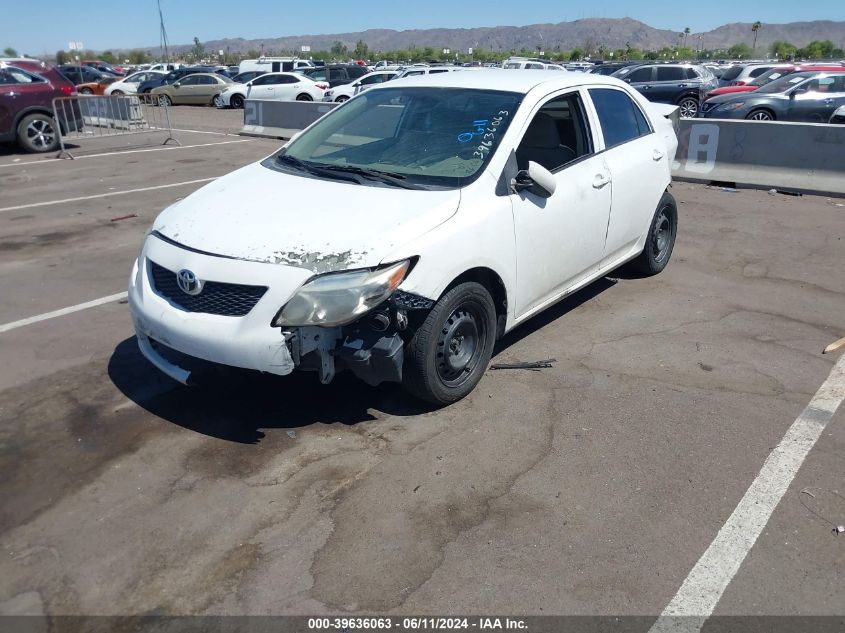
x,y
683,85
173,76
199,89
249,75
104,67
88,81
347,91
129,84
610,68
741,74
766,78
334,74
27,90
276,86
838,116
804,96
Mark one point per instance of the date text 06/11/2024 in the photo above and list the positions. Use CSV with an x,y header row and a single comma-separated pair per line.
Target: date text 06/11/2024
x,y
415,624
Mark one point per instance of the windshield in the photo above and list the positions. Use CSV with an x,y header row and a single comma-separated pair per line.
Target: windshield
x,y
425,136
769,76
782,84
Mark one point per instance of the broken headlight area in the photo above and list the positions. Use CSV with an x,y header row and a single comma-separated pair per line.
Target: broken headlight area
x,y
372,347
335,299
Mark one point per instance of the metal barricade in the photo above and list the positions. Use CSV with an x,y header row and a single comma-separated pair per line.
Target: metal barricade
x,y
86,117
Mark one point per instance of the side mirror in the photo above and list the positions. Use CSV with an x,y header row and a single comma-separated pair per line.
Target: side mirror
x,y
798,91
536,179
627,80
176,85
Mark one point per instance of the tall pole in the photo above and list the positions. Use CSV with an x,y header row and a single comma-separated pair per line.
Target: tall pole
x,y
162,33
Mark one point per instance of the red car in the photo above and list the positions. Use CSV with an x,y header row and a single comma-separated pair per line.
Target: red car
x,y
768,76
27,90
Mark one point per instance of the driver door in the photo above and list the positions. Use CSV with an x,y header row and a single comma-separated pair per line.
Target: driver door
x,y
560,239
817,103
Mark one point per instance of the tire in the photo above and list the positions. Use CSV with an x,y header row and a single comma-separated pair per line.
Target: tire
x,y
236,102
86,91
661,238
450,351
38,133
164,100
760,115
341,99
304,97
118,93
688,107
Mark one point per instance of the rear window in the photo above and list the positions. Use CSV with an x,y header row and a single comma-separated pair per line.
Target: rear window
x,y
731,73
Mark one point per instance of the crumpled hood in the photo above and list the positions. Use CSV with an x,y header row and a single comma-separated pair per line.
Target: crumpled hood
x,y
260,214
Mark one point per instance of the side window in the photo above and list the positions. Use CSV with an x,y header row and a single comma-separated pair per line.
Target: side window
x,y
375,79
437,71
759,71
640,75
15,76
261,81
287,79
190,80
207,81
557,135
534,66
670,73
621,119
691,74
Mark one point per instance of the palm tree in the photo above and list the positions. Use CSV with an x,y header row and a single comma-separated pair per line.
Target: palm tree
x,y
686,33
755,28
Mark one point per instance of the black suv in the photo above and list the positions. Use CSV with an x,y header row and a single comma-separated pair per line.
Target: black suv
x,y
683,85
335,74
173,76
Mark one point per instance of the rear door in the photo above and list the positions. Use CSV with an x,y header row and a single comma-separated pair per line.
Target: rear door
x,y
263,87
20,89
288,86
185,90
638,164
670,82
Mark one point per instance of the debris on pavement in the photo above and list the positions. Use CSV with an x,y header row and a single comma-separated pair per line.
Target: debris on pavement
x,y
839,529
124,217
834,346
291,434
532,365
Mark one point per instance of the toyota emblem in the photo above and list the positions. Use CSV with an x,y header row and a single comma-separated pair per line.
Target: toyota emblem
x,y
188,282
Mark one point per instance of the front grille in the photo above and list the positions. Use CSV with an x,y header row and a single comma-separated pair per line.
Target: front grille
x,y
235,300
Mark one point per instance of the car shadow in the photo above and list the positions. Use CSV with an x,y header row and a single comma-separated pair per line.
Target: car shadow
x,y
240,405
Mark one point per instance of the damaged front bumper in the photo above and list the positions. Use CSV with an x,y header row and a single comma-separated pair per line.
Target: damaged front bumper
x,y
173,337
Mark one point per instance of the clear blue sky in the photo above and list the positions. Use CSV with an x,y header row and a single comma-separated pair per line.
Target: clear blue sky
x,y
102,25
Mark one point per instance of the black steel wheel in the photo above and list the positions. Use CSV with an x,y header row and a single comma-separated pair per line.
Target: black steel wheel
x,y
304,97
236,101
450,351
661,238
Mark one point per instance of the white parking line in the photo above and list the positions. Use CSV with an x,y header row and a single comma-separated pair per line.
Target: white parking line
x,y
52,161
105,195
705,584
63,311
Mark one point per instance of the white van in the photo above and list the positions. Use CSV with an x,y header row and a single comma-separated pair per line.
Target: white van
x,y
274,64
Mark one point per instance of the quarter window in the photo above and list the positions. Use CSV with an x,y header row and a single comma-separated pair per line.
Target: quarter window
x,y
621,119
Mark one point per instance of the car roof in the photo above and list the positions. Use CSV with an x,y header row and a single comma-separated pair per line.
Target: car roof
x,y
499,79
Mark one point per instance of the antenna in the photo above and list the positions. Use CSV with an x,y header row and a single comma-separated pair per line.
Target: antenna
x,y
162,33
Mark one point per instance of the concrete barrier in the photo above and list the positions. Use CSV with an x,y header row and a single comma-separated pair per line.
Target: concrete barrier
x,y
281,119
801,157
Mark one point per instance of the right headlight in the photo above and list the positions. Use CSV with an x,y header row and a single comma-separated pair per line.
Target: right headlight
x,y
340,298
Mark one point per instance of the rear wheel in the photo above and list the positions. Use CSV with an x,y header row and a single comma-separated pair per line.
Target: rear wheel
x,y
38,133
236,101
117,92
86,91
304,97
688,107
760,115
164,100
450,351
661,238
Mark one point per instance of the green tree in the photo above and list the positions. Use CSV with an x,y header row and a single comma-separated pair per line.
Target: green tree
x,y
817,49
576,55
62,57
740,51
198,51
361,50
10,52
108,57
339,49
755,28
137,56
783,50
687,31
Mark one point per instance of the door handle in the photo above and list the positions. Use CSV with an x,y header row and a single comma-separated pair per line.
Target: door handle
x,y
682,85
12,94
656,155
646,87
828,101
600,181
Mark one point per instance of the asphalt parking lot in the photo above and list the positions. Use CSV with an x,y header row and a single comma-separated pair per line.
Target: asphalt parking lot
x,y
593,487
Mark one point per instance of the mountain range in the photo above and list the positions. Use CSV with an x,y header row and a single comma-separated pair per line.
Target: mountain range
x,y
610,32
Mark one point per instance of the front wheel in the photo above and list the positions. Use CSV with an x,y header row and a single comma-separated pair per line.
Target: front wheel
x,y
304,97
342,98
117,93
450,351
760,115
688,107
237,102
661,238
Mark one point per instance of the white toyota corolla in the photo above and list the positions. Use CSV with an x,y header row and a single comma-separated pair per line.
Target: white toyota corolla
x,y
471,202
